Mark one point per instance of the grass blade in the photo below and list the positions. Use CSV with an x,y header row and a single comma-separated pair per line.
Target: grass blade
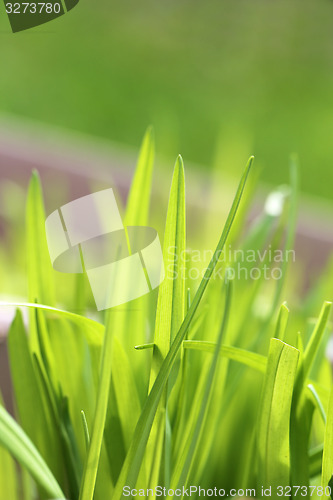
x,y
291,231
317,401
171,297
274,416
85,429
40,271
19,445
170,312
303,407
137,207
93,330
127,398
183,467
135,454
282,322
248,358
35,416
9,479
94,451
130,324
315,461
327,465
315,340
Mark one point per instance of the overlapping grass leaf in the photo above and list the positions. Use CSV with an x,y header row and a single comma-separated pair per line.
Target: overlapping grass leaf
x,y
135,454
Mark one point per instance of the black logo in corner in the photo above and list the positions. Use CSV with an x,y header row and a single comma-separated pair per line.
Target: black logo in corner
x,y
25,15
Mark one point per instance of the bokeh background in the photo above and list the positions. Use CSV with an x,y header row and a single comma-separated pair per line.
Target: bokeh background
x,y
219,80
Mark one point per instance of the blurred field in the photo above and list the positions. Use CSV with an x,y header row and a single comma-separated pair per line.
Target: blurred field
x,y
219,80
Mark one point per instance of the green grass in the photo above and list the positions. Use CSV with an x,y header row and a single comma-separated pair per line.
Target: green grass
x,y
210,381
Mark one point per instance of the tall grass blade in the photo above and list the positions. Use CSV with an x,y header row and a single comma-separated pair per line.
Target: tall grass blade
x,y
248,358
282,322
137,207
327,464
135,454
317,401
274,416
130,323
13,439
315,340
315,461
40,271
127,398
183,467
170,312
9,479
171,296
85,429
291,230
93,330
35,415
303,407
95,445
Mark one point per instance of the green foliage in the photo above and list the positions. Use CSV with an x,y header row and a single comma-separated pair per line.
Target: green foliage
x,y
95,444
169,316
13,439
273,423
207,397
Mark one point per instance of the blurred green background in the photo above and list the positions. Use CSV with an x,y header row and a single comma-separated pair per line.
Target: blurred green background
x,y
219,79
